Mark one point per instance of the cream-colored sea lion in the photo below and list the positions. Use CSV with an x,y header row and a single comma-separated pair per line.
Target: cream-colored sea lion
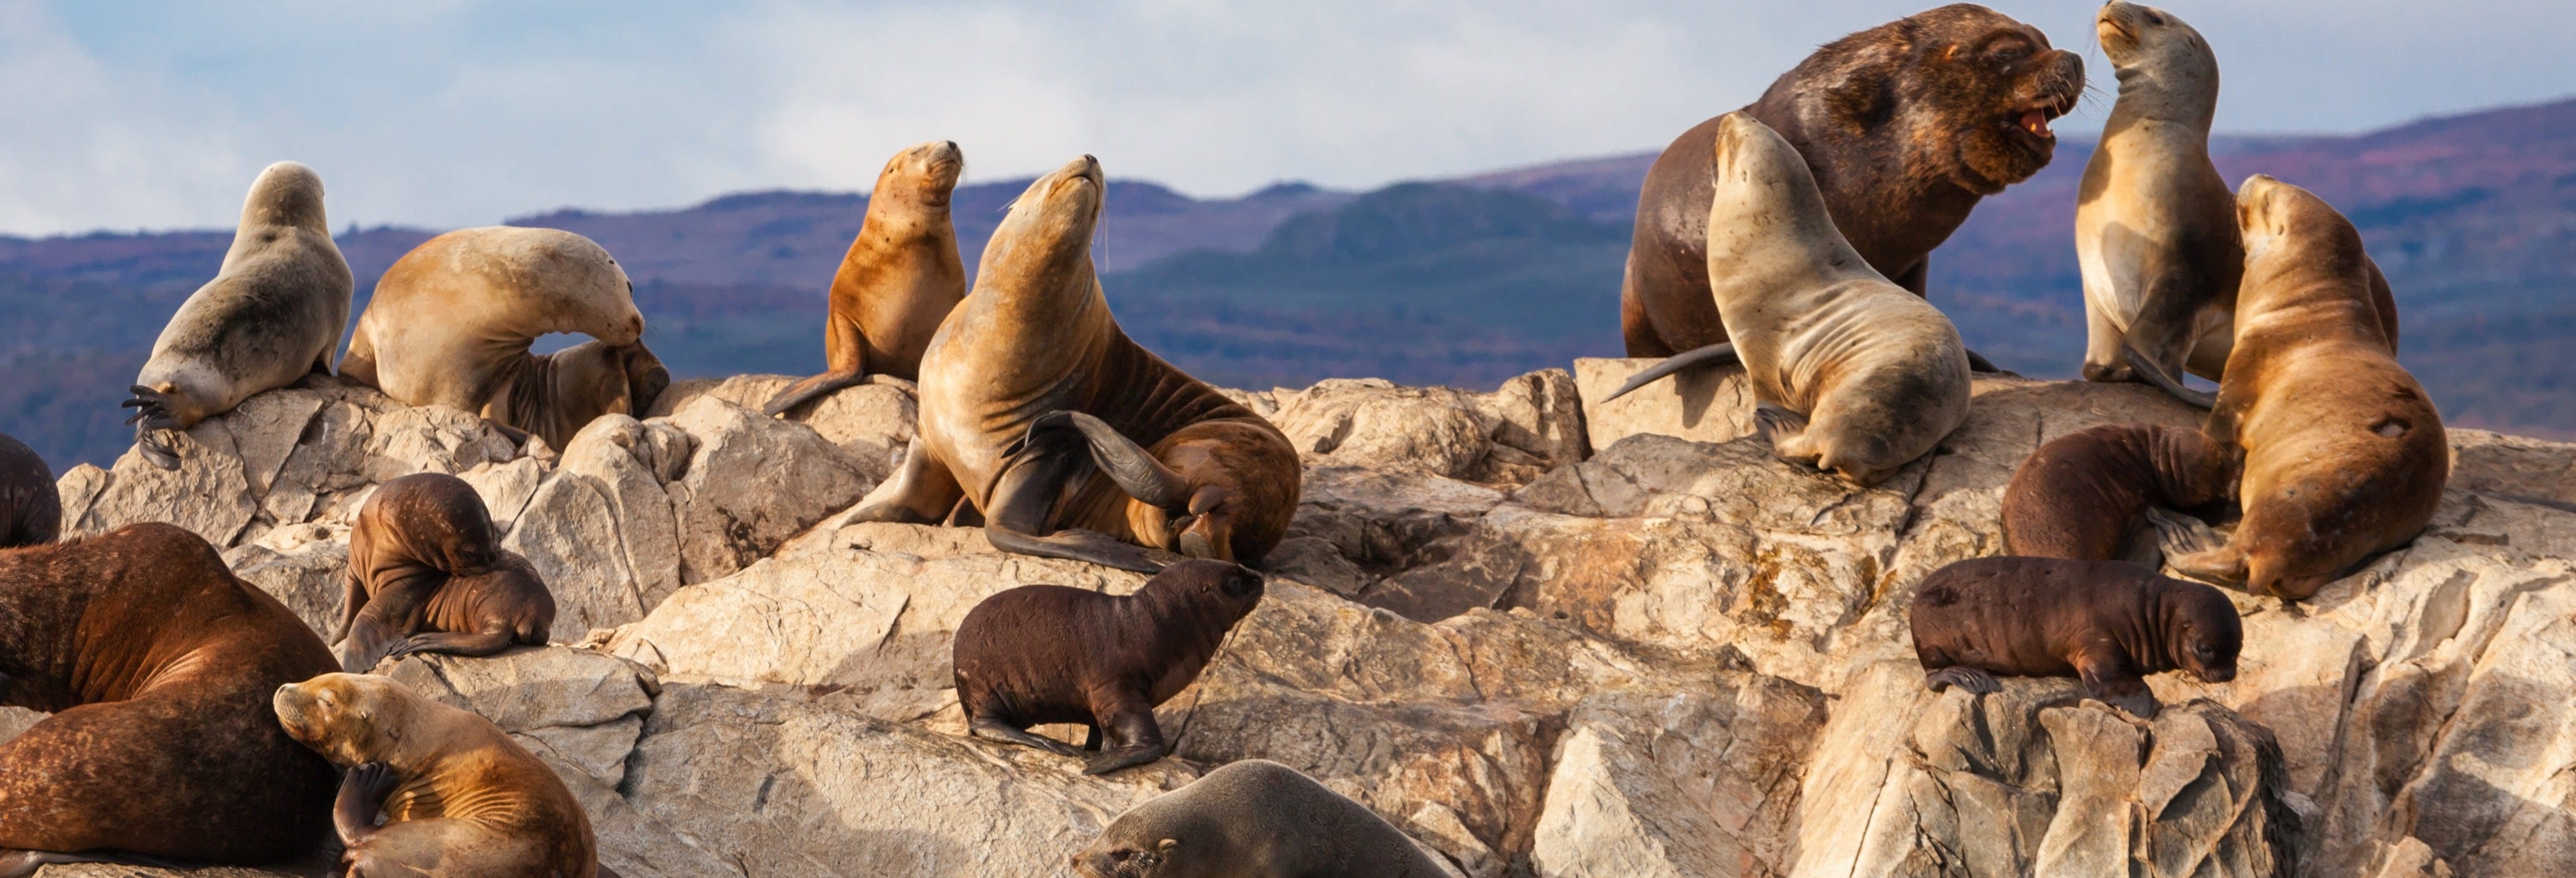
x,y
269,317
460,799
31,507
1068,439
157,664
452,320
1904,127
2109,622
900,279
2344,454
427,574
1253,819
2155,227
1854,374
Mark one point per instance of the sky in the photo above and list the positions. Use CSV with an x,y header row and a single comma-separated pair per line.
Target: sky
x,y
444,113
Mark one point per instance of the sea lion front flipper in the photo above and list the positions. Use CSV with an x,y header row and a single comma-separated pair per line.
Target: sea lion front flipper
x,y
362,797
1128,717
453,643
1023,500
921,491
992,729
1975,680
1118,457
811,389
2155,374
2109,678
1719,354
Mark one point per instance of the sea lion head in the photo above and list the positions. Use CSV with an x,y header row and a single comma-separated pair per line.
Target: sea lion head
x,y
348,718
1231,588
924,174
1049,226
286,194
2293,239
1104,859
431,518
1968,91
2204,632
2150,49
596,378
1887,416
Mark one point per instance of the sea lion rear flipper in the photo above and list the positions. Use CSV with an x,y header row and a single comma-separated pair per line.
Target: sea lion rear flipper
x,y
1076,544
152,415
1719,354
362,796
2193,549
1120,458
452,643
2145,368
1129,720
809,390
992,729
1975,680
921,491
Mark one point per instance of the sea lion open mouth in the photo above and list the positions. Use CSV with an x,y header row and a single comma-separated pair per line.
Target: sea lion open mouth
x,y
2032,120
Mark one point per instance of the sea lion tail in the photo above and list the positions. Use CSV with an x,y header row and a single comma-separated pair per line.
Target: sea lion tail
x,y
1719,354
2156,375
1125,462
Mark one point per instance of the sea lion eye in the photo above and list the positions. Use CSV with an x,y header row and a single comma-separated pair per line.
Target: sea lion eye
x,y
2155,19
2009,50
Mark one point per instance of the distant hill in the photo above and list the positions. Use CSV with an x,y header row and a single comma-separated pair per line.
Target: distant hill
x,y
1465,281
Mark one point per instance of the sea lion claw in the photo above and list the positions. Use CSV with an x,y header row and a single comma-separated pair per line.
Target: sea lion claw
x,y
1719,354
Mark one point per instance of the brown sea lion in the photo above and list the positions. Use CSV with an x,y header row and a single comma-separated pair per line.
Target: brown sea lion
x,y
2345,456
452,320
1904,127
269,317
2155,227
1067,439
1853,374
1052,654
157,665
31,507
1253,819
900,279
460,799
427,574
2109,622
2085,495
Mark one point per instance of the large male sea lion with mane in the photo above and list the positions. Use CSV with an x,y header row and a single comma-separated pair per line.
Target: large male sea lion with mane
x,y
270,316
2108,622
898,281
427,574
1065,437
1904,127
157,664
1253,819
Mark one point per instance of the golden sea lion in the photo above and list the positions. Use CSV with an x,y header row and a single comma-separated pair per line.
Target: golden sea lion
x,y
900,279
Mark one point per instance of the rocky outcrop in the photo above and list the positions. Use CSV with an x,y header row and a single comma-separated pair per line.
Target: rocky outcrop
x,y
1544,635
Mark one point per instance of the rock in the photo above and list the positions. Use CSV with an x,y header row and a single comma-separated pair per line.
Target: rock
x,y
305,567
1680,784
15,720
601,529
578,710
1702,405
872,422
1509,436
754,482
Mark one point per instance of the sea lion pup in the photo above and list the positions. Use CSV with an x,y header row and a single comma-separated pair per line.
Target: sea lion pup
x,y
2085,495
2109,622
31,507
1065,437
1854,374
1052,654
2155,227
2344,454
156,663
269,317
452,320
1904,127
1253,819
900,279
427,574
460,798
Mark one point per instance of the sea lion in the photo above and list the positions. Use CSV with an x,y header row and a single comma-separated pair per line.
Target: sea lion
x,y
1904,127
1854,375
2345,456
452,320
2085,495
427,574
460,798
1253,819
1052,654
1030,372
2109,622
2155,227
900,279
269,317
156,663
31,507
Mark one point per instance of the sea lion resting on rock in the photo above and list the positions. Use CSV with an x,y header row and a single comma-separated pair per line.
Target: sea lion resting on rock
x,y
1854,374
157,665
1052,654
461,799
2109,622
426,574
1065,437
1253,819
452,320
31,507
269,317
900,278
2086,495
2345,456
1904,127
2155,227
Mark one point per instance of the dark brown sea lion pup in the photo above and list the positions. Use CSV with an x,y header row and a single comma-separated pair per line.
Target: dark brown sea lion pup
x,y
1253,819
157,665
427,574
1905,126
1068,439
900,278
270,316
2345,456
461,800
2085,495
452,320
31,507
2109,622
1052,654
